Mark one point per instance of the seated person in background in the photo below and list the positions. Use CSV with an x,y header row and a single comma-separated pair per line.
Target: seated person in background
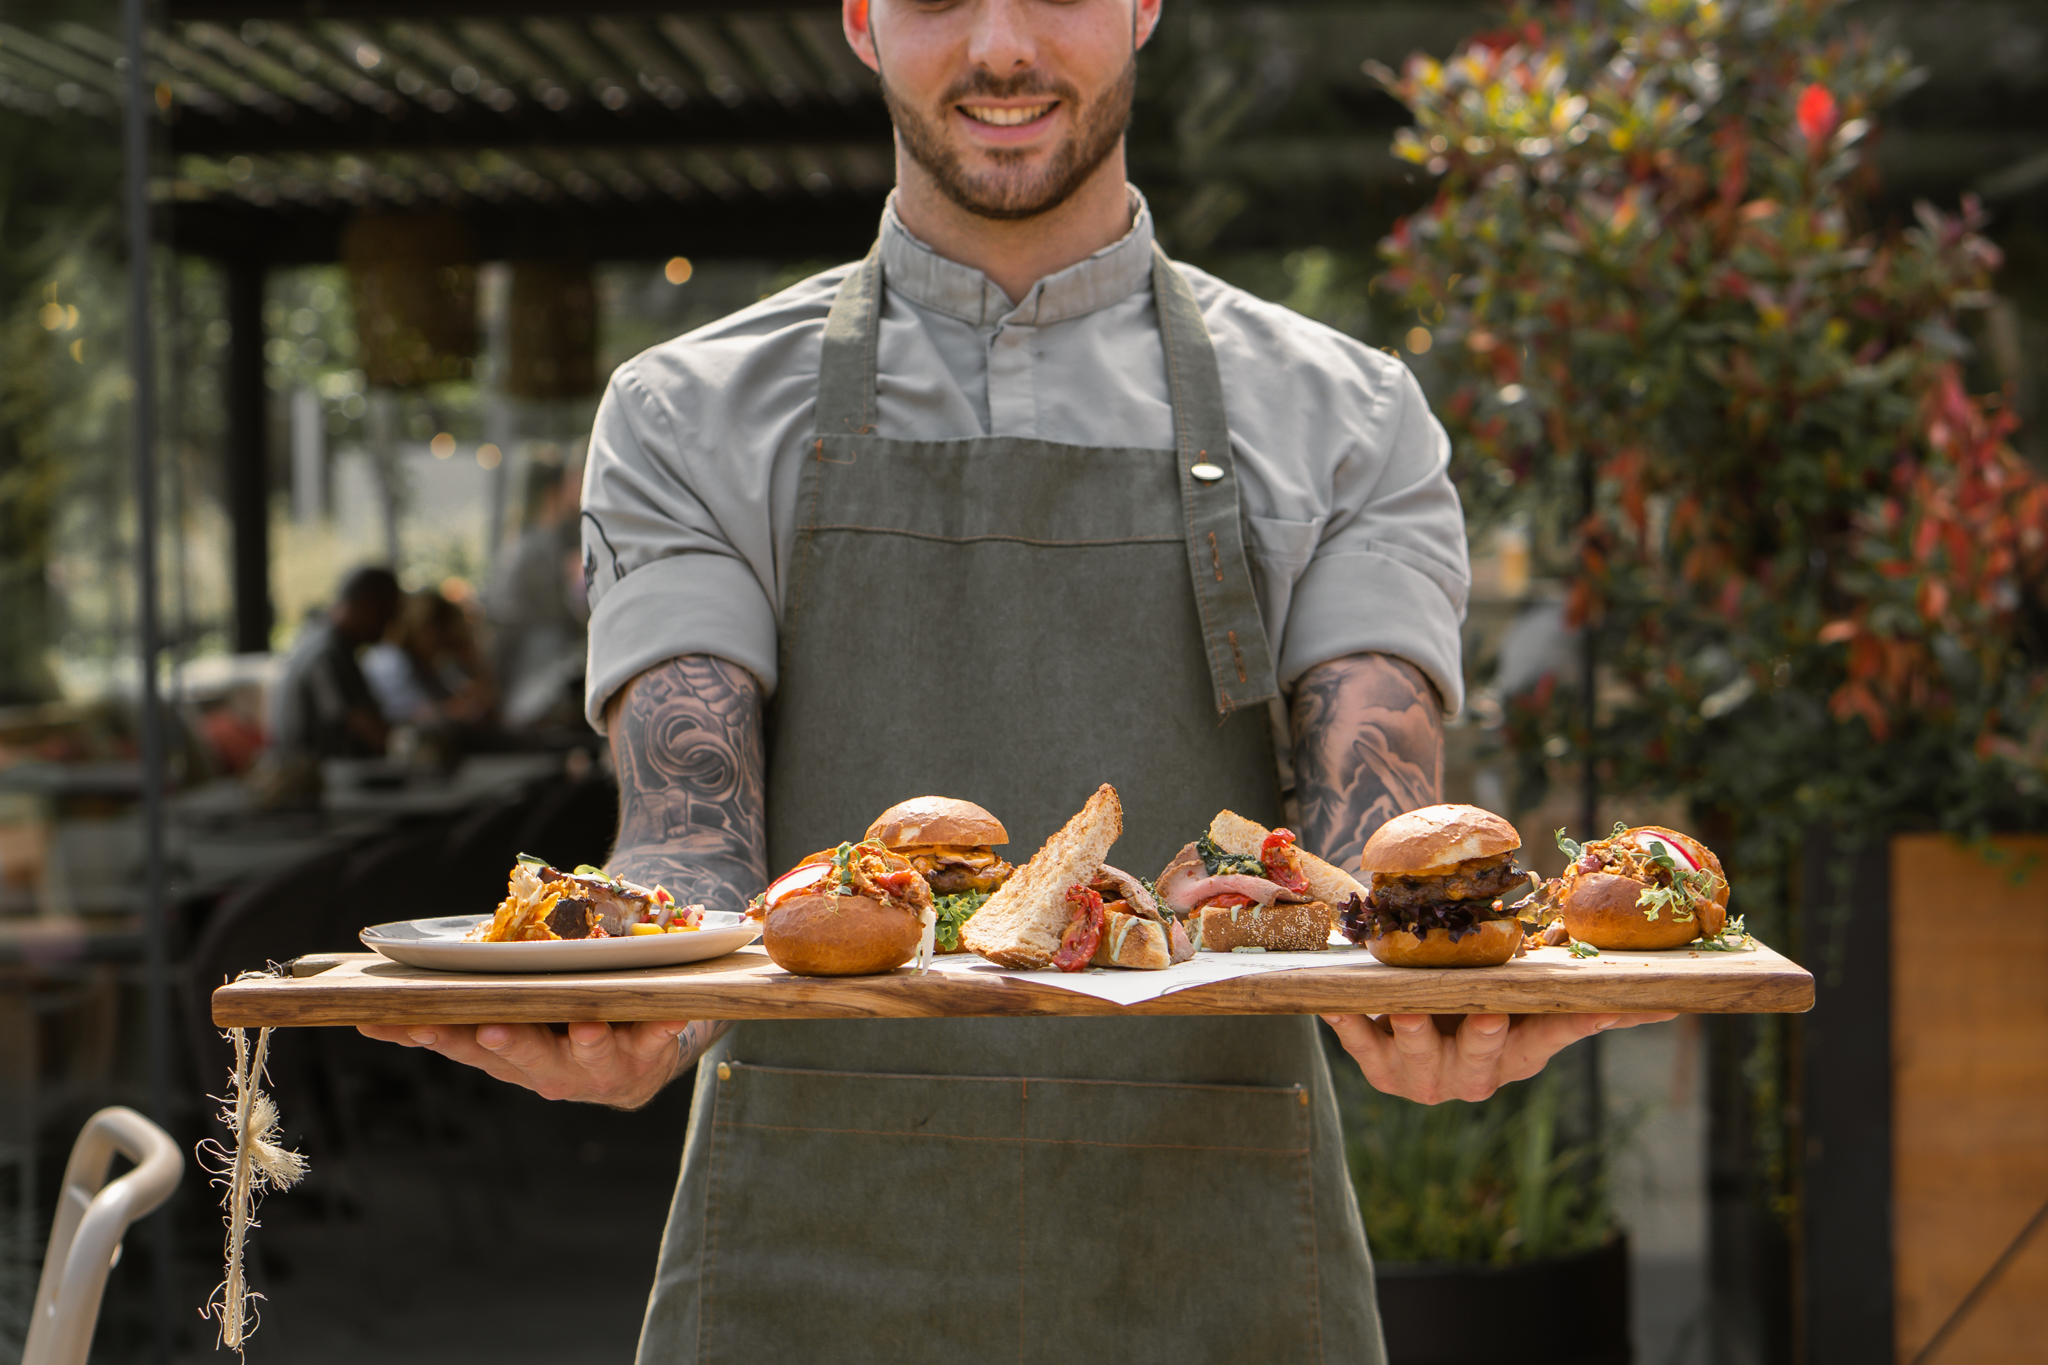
x,y
427,673
321,706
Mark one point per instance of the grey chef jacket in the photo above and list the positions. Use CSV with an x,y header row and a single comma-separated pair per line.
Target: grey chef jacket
x,y
1354,528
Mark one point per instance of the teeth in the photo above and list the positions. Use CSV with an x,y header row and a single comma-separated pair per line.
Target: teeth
x,y
1003,118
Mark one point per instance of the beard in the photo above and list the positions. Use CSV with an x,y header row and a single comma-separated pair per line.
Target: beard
x,y
1012,189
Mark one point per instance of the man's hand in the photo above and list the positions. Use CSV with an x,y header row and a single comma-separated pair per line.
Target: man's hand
x,y
1411,1055
622,1065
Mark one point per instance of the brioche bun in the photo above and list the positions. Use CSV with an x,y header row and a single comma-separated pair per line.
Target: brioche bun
x,y
1494,943
1434,840
839,935
1600,908
936,820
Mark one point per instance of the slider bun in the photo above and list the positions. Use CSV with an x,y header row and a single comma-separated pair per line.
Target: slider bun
x,y
1436,839
1494,944
1600,908
839,936
936,820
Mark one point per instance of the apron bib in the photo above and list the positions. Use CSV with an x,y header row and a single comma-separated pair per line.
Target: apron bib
x,y
1015,621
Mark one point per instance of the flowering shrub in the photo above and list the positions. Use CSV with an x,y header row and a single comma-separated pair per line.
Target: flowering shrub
x,y
1811,559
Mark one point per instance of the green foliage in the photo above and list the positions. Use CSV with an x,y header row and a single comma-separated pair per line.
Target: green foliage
x,y
1489,1183
1811,559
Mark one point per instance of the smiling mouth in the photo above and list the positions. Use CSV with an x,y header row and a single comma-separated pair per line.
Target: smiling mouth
x,y
1006,118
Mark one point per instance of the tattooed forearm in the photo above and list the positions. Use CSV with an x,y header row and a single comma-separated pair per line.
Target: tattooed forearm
x,y
686,740
1368,745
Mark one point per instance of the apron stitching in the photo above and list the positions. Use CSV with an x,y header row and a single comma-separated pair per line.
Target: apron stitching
x,y
1023,1127
1238,655
823,458
1035,1142
707,1250
1315,1279
1287,1091
976,540
1216,558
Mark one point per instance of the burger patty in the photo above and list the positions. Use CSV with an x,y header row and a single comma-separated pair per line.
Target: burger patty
x,y
951,881
1482,879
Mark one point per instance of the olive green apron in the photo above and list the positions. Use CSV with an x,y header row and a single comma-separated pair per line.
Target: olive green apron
x,y
1016,621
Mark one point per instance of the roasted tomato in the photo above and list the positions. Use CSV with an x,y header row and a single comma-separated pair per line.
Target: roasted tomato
x,y
1083,931
1283,861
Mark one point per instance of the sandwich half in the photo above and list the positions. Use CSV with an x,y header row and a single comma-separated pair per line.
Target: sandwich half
x,y
1024,923
1245,886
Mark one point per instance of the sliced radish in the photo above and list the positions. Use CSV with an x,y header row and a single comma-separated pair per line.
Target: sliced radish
x,y
798,880
1651,843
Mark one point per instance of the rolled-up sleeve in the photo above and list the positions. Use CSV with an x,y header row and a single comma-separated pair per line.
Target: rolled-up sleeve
x,y
663,576
1390,574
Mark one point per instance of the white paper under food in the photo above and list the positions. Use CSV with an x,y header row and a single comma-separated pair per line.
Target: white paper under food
x,y
1123,987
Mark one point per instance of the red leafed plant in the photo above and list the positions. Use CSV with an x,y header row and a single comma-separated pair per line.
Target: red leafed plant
x,y
1666,331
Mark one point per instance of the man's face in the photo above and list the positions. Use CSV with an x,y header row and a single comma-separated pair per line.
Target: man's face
x,y
1009,105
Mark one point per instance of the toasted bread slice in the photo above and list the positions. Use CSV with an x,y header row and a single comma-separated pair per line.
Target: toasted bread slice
x,y
1021,924
1301,928
1132,941
1326,882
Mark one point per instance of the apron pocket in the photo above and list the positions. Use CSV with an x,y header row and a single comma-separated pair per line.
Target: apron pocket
x,y
854,1217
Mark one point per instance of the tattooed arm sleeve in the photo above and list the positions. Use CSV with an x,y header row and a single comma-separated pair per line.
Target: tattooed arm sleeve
x,y
1368,745
686,742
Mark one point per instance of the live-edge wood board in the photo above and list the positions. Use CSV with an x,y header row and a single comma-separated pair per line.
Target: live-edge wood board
x,y
363,988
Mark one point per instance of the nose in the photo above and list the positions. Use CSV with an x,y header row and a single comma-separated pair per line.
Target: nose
x,y
1001,42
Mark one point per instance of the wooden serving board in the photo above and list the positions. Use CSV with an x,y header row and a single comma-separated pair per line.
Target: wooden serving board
x,y
363,988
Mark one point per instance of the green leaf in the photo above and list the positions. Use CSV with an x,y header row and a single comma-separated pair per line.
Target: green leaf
x,y
1579,949
1571,848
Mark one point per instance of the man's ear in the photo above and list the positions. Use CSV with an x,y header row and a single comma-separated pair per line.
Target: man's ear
x,y
853,18
1144,23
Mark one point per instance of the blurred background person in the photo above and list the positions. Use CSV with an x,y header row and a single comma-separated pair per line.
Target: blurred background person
x,y
535,605
428,670
322,706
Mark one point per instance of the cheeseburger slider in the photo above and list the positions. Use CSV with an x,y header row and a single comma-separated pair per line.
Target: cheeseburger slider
x,y
1644,888
949,842
1242,885
851,911
1439,879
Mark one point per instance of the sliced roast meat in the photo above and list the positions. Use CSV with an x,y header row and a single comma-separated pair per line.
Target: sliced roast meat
x,y
615,904
1131,890
1185,870
1187,898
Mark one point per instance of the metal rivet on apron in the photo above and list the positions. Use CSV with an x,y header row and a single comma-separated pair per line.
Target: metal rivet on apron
x,y
1304,1099
1207,473
724,1072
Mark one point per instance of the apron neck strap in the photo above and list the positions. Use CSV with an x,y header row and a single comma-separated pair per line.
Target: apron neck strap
x,y
846,369
1200,429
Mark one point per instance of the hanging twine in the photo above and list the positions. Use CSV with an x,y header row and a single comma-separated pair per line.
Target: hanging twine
x,y
258,1164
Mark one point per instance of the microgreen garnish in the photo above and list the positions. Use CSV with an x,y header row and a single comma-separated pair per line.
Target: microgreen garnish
x,y
1579,949
1733,939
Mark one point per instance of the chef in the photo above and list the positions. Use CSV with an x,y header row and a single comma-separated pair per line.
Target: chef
x,y
1011,507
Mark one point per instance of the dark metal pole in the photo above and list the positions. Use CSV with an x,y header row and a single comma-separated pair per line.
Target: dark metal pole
x,y
1589,660
248,455
142,448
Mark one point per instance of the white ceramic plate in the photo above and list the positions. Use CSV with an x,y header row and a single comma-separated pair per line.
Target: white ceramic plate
x,y
438,945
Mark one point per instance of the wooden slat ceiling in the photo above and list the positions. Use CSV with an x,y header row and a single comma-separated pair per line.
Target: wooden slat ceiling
x,y
300,113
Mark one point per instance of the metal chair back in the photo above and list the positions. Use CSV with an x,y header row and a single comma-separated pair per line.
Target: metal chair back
x,y
92,1217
